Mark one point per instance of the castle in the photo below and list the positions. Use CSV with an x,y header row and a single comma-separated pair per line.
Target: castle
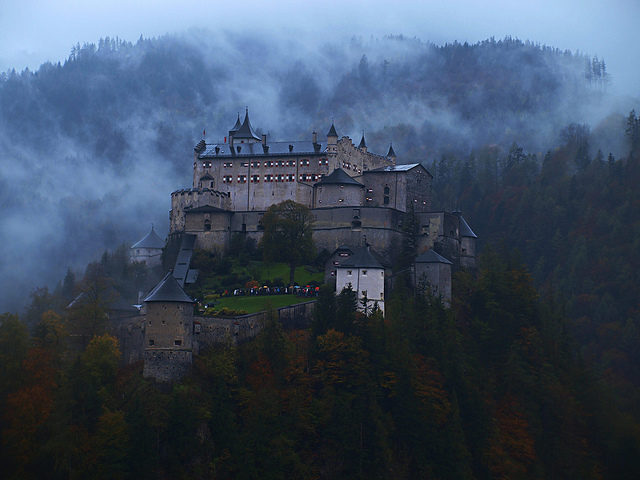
x,y
360,202
357,197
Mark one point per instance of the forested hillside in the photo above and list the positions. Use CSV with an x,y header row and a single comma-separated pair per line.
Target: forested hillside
x,y
91,148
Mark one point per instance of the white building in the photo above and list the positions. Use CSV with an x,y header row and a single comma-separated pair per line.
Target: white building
x,y
365,274
148,250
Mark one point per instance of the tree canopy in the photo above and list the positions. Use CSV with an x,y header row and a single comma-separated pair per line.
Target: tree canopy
x,y
288,235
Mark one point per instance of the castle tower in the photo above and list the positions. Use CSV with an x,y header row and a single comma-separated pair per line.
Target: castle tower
x,y
148,250
168,331
332,141
391,155
245,133
363,144
467,243
433,271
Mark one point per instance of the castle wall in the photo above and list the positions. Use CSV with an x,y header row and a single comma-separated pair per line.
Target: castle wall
x,y
181,200
436,277
338,195
354,160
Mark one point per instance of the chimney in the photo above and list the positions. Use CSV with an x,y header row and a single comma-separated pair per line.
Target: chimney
x,y
314,137
290,148
217,150
264,139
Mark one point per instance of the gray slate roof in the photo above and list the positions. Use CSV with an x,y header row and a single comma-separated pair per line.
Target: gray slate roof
x,y
363,144
391,153
151,240
430,256
396,168
465,229
279,149
205,209
168,290
339,177
246,130
332,131
361,258
237,125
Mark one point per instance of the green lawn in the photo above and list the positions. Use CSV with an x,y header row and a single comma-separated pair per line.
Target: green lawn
x,y
252,304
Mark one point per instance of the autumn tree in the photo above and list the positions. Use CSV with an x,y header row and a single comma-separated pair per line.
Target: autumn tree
x,y
288,235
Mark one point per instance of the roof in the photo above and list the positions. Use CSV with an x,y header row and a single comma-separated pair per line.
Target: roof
x,y
206,176
279,149
151,240
332,131
361,258
237,126
168,290
391,153
396,168
363,144
205,209
339,177
465,229
430,256
245,130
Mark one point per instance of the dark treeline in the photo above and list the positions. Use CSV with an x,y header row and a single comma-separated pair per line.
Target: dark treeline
x,y
492,388
91,147
573,216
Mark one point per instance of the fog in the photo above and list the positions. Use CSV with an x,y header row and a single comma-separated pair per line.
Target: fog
x,y
91,164
35,31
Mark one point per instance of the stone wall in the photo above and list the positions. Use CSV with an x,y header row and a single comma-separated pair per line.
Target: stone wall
x,y
167,365
209,331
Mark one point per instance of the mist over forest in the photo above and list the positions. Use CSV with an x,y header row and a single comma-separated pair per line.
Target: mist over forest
x,y
91,148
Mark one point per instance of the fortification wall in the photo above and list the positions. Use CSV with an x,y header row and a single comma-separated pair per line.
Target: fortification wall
x,y
354,160
167,365
192,198
209,331
130,335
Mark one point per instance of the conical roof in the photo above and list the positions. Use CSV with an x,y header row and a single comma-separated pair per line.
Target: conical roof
x,y
168,290
246,130
151,240
237,126
332,131
431,256
391,153
339,177
363,144
465,229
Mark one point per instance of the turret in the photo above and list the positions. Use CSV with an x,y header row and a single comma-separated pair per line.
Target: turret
x,y
332,141
391,155
363,144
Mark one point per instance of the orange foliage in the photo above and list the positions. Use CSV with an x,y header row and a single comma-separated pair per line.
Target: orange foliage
x,y
511,448
428,385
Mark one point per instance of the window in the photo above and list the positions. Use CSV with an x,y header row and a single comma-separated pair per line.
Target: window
x,y
364,293
291,177
227,179
151,342
206,164
291,163
227,164
349,273
242,179
381,295
386,190
207,225
210,184
177,342
255,178
364,273
304,163
268,164
255,164
245,164
279,177
279,163
268,178
323,161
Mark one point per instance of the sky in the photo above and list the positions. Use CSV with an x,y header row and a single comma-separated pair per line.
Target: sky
x,y
36,31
